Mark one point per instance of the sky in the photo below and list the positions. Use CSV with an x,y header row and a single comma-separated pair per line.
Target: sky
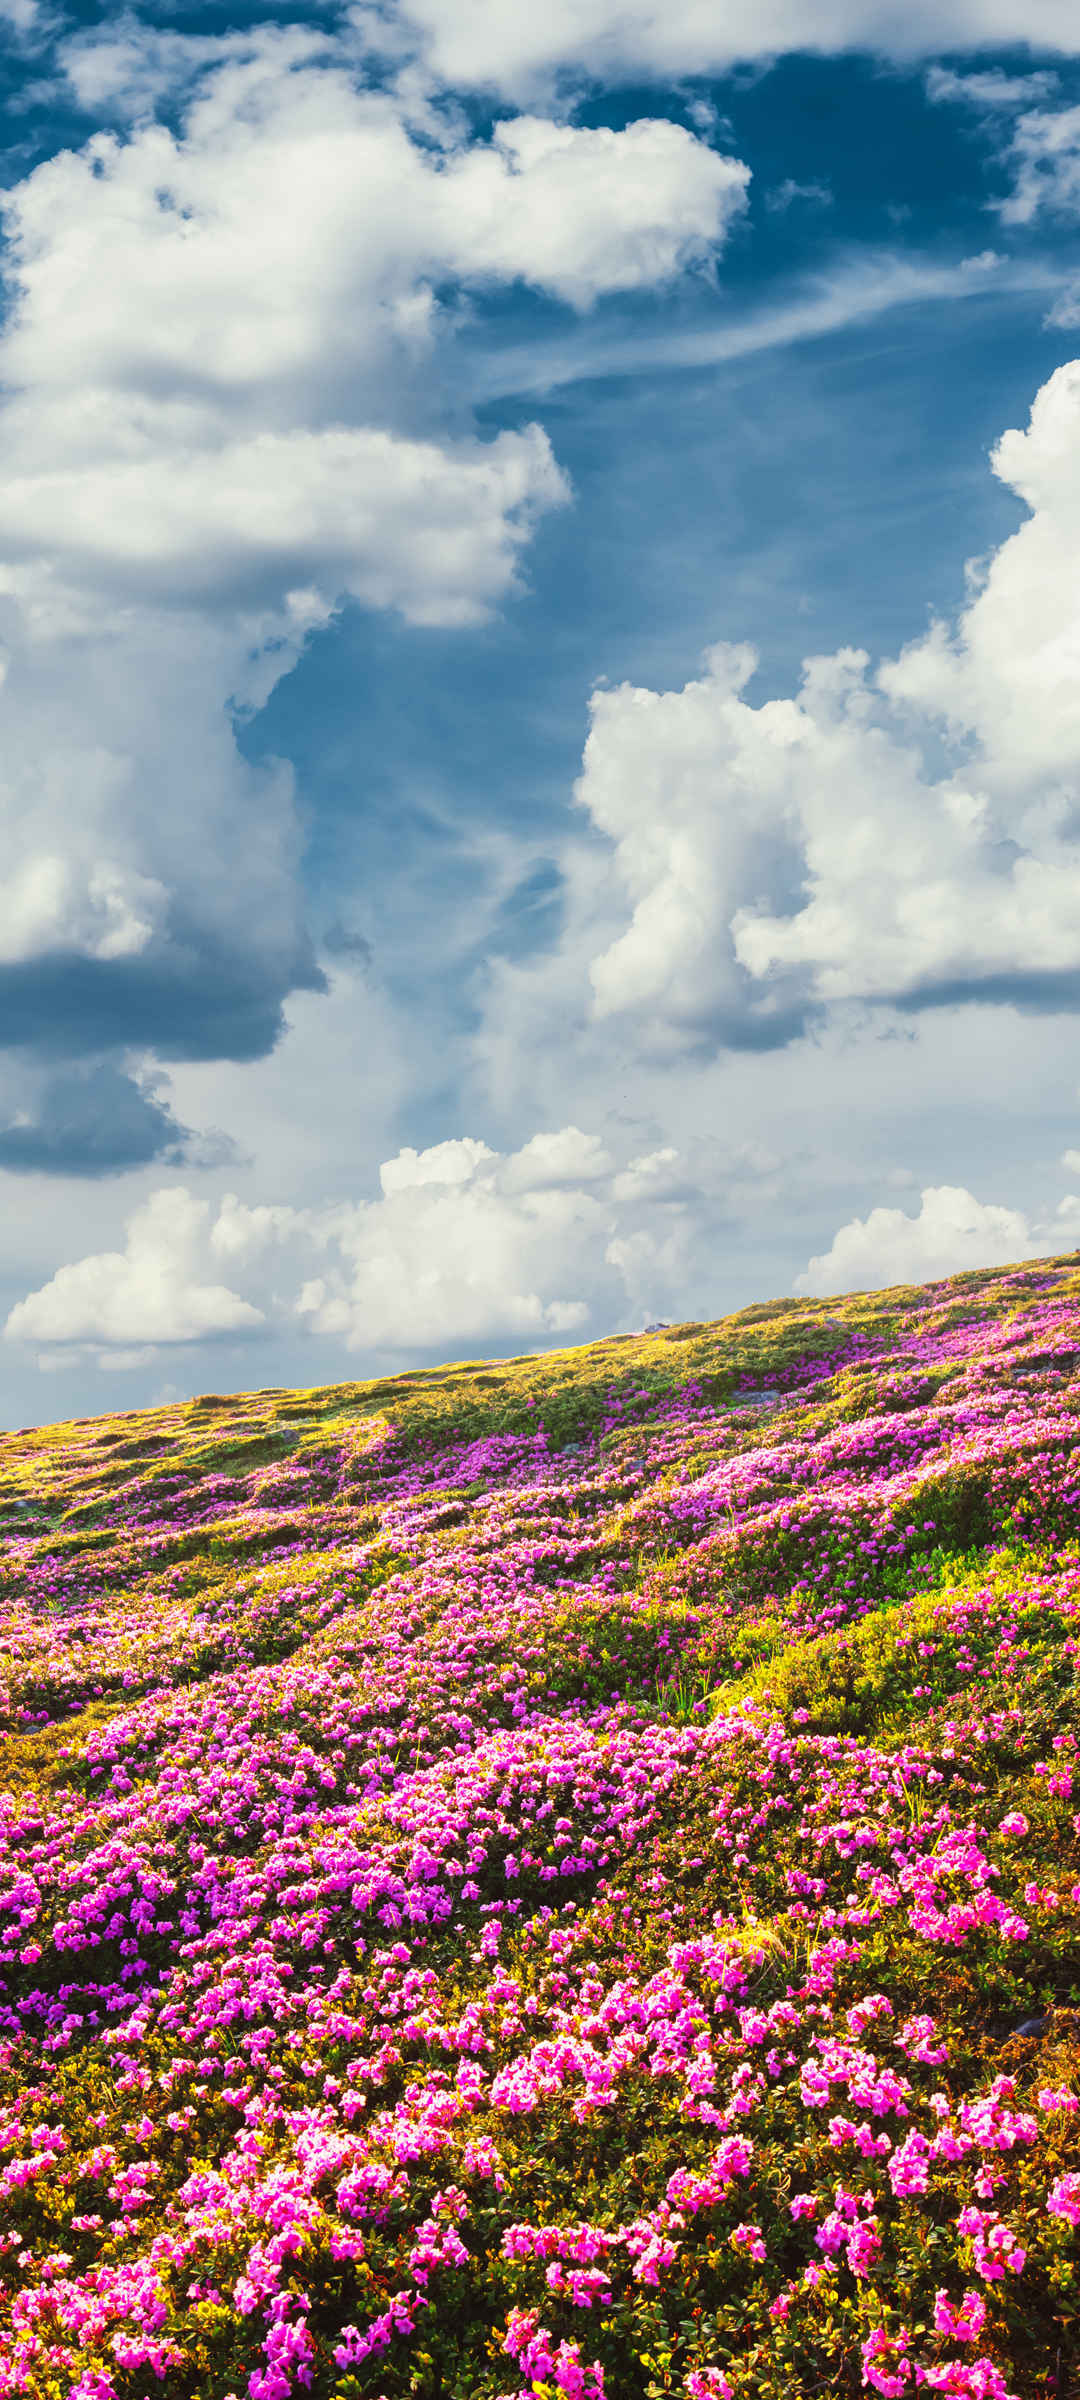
x,y
539,672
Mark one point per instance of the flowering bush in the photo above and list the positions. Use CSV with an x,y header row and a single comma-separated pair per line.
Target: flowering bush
x,y
559,1878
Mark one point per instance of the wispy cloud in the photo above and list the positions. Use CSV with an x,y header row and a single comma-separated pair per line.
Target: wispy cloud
x,y
789,193
855,288
990,90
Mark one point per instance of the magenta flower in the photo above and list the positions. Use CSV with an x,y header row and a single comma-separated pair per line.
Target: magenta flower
x,y
1063,2199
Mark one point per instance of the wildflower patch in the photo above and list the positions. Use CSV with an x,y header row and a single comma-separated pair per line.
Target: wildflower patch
x,y
554,1877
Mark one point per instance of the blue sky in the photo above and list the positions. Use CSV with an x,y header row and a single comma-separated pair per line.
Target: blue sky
x,y
397,402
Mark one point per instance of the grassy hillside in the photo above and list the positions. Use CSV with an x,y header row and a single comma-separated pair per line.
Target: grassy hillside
x,y
555,1877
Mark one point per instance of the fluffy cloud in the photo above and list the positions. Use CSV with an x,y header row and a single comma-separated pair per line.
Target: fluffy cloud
x,y
516,50
267,268
1041,148
219,421
693,822
150,1292
771,861
582,210
125,68
352,513
990,90
1044,154
952,1231
464,1245
150,888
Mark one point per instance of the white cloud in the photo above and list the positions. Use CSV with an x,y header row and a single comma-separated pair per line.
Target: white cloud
x,y
766,860
465,1244
206,322
149,1292
99,910
447,1163
272,264
220,420
1065,311
468,1244
1044,155
516,50
583,210
784,195
149,893
430,529
855,287
124,68
659,1175
990,90
952,1231
1042,147
550,1159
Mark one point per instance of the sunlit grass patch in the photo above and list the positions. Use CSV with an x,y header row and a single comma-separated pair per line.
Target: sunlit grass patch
x,y
553,1869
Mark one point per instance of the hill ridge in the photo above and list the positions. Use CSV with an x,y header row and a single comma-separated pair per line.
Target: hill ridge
x,y
556,1875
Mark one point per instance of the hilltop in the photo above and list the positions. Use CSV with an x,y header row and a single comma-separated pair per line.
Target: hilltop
x,y
558,1875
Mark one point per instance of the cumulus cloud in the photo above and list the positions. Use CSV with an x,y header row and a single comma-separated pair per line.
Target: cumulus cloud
x,y
424,528
952,1231
549,1159
768,862
199,366
148,1293
123,69
465,1244
499,44
583,210
272,267
150,893
1041,148
220,422
1044,155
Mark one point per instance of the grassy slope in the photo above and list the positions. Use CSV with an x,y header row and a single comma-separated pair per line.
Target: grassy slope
x,y
418,1829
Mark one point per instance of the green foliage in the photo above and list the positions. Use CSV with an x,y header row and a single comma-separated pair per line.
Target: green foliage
x,y
235,1665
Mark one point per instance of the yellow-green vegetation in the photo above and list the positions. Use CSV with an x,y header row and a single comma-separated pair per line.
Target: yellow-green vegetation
x,y
554,1876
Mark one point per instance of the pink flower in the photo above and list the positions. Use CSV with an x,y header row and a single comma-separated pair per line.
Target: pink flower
x,y
651,2262
962,2323
885,2369
978,2379
916,2037
994,2245
749,2238
909,2170
1063,2199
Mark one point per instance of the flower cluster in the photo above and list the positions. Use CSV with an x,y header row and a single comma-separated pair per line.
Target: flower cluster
x,y
561,1878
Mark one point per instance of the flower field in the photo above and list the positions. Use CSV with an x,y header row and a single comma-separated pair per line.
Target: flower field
x,y
558,1877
